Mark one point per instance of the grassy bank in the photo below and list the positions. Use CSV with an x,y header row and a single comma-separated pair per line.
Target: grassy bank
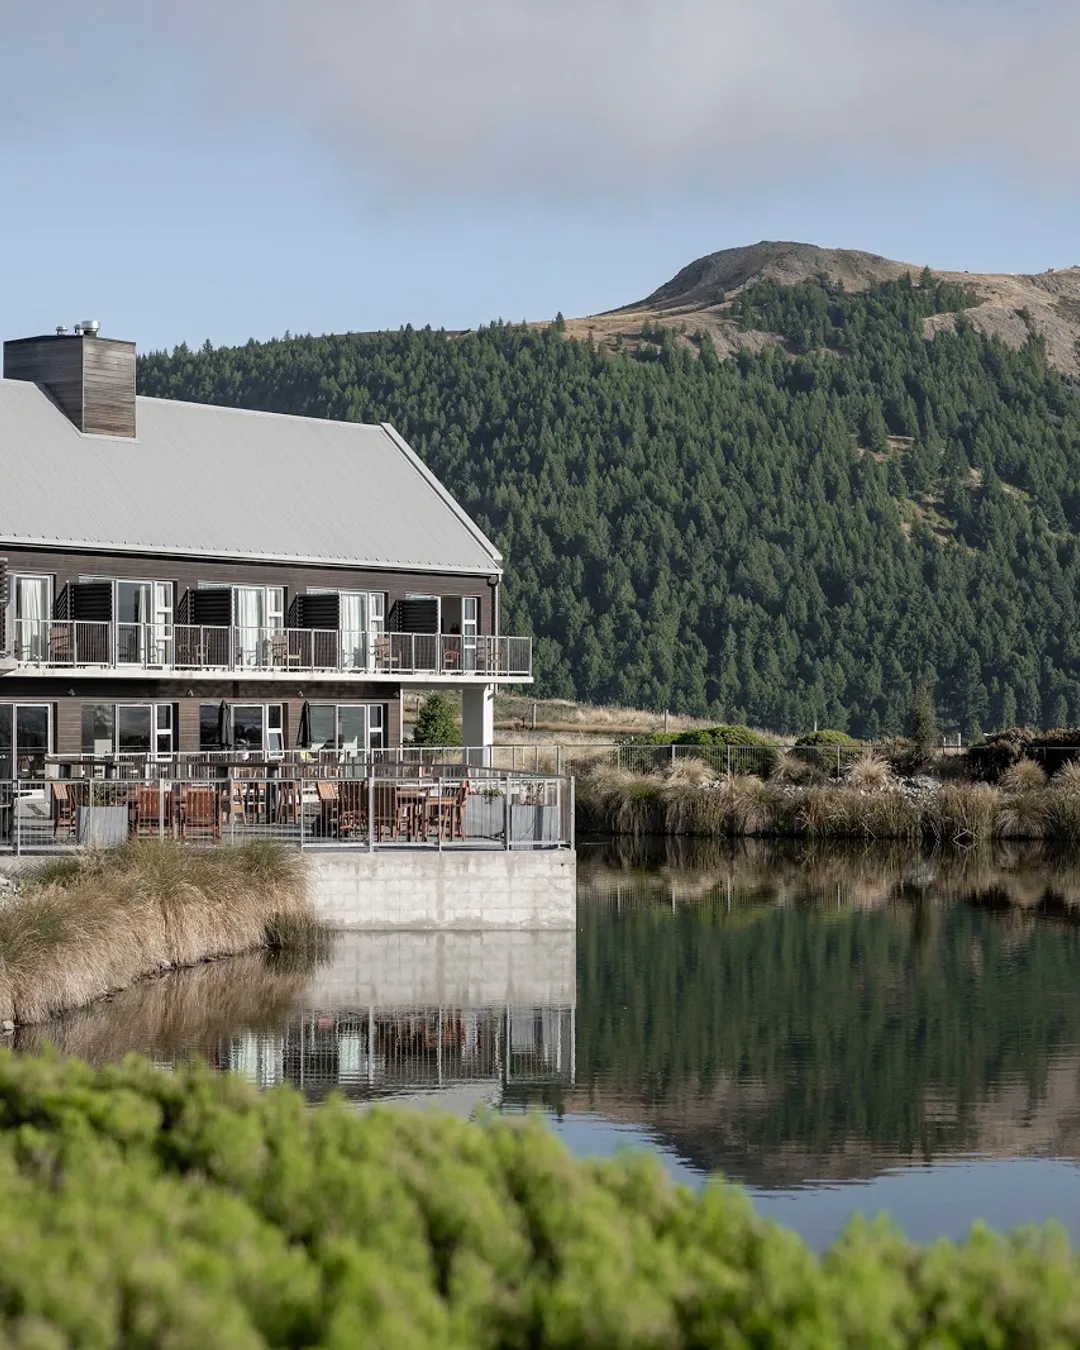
x,y
870,803
183,1210
83,927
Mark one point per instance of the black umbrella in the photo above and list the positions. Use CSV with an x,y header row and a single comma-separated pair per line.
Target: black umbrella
x,y
303,731
225,726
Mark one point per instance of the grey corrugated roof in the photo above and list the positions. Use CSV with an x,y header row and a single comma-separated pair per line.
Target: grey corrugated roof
x,y
200,480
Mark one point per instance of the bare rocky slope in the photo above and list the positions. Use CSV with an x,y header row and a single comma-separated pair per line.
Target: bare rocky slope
x,y
699,298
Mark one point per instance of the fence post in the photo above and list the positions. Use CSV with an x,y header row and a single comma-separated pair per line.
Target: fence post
x,y
837,763
371,813
506,813
17,832
573,815
729,761
161,808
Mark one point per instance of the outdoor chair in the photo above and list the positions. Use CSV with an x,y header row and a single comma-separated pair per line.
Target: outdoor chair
x,y
352,808
63,808
153,811
281,652
200,811
328,808
386,657
61,646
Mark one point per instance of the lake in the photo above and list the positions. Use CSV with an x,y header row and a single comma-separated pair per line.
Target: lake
x,y
837,1031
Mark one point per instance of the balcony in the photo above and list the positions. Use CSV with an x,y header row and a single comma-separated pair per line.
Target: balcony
x,y
194,649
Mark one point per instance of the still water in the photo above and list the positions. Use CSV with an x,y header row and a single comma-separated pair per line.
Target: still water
x,y
837,1032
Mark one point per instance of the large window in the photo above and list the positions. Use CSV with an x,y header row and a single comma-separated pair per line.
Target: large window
x,y
258,612
255,727
130,728
352,727
362,621
25,739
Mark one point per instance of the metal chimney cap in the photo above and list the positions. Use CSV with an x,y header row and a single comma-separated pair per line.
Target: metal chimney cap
x,y
61,330
91,327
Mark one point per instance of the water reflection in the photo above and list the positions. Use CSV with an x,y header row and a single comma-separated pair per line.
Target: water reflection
x,y
791,1016
465,1018
837,1029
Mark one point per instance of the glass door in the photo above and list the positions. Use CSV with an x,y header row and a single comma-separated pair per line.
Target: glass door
x,y
354,611
33,606
258,613
470,628
25,738
161,636
133,606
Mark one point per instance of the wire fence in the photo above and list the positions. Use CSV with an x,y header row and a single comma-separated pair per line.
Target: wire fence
x,y
395,808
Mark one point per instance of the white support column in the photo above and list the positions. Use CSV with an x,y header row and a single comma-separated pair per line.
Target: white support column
x,y
478,718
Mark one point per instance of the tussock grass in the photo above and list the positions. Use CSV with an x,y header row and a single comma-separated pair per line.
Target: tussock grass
x,y
1067,779
964,813
869,773
73,935
1024,776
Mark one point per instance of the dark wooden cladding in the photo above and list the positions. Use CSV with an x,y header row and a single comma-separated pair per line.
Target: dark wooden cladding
x,y
211,606
193,577
108,375
319,611
91,379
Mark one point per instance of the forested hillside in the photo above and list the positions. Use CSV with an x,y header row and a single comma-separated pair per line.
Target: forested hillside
x,y
798,533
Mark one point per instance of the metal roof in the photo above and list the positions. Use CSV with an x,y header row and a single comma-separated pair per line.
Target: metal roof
x,y
226,482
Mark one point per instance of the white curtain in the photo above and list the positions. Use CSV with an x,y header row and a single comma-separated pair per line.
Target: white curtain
x,y
32,598
353,618
250,623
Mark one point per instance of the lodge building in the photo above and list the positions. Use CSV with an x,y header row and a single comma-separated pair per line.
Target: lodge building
x,y
177,578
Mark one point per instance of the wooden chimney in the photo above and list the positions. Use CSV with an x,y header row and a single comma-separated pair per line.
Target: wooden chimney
x,y
90,378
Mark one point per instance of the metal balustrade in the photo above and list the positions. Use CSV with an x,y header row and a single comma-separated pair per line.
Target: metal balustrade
x,y
373,809
69,643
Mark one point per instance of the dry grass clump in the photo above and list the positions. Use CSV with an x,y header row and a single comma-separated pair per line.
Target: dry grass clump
x,y
1023,815
869,773
73,935
623,802
1067,779
852,813
963,812
800,769
1026,775
689,772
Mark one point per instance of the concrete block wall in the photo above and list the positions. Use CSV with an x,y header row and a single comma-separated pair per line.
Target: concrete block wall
x,y
415,889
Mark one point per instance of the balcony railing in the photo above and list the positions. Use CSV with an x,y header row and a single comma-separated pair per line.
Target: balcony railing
x,y
65,644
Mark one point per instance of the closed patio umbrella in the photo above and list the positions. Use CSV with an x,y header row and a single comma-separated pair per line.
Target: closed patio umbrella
x,y
225,726
303,731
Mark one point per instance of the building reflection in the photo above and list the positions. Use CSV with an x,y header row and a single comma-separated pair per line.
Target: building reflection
x,y
372,1053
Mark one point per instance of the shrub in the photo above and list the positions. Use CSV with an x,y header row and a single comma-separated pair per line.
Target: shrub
x,y
826,737
437,722
723,735
143,1208
923,721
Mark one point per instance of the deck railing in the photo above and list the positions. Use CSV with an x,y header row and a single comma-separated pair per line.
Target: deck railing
x,y
70,643
444,810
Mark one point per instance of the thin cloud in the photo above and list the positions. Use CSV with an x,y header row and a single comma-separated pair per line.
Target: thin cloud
x,y
614,97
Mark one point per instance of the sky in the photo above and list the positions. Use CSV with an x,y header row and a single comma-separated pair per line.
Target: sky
x,y
226,169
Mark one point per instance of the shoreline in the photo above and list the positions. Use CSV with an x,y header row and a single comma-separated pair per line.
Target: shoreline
x,y
77,930
868,805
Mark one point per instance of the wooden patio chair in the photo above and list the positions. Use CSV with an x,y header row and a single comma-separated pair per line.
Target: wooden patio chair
x,y
386,658
200,811
152,811
328,808
281,653
352,808
61,646
63,808
446,811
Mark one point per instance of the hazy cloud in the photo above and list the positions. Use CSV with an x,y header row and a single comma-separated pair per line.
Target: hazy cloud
x,y
607,96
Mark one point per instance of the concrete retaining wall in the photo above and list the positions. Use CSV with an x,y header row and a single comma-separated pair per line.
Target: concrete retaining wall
x,y
448,890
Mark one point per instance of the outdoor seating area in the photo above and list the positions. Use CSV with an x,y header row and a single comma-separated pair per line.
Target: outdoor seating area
x,y
353,804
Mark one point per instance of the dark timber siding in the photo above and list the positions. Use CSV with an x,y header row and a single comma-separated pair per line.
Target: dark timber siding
x,y
108,387
187,573
53,362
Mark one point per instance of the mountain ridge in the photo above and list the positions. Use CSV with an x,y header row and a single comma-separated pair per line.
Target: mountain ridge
x,y
699,297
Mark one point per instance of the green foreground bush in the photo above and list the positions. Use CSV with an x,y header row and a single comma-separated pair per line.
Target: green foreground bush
x,y
142,1209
